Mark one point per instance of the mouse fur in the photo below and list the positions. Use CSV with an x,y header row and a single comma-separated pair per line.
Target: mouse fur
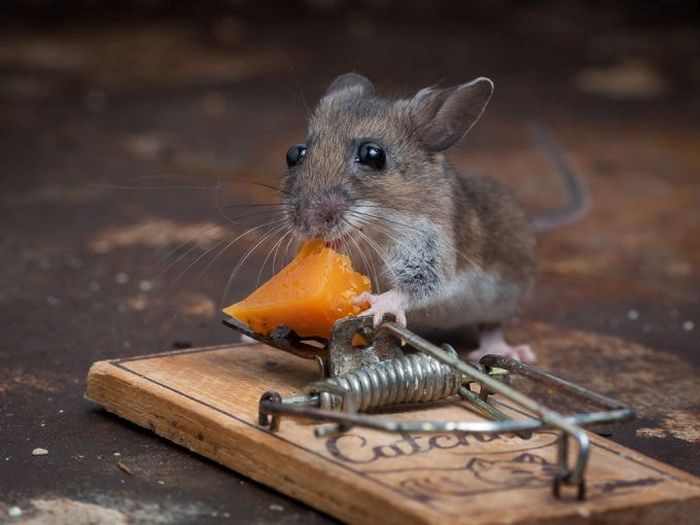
x,y
447,249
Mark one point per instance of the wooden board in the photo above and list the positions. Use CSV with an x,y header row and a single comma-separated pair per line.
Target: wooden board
x,y
206,400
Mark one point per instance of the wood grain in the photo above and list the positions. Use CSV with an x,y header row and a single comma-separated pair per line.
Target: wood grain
x,y
206,400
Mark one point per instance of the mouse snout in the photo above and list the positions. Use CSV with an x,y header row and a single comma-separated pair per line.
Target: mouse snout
x,y
323,215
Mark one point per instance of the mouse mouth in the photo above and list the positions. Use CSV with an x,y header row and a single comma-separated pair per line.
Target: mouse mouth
x,y
334,244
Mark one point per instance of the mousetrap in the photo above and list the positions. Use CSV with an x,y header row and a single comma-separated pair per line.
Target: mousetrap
x,y
382,425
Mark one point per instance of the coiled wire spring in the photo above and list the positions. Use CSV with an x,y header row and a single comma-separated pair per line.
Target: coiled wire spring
x,y
412,378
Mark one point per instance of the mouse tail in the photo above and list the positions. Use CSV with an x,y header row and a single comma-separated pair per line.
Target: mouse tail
x,y
578,200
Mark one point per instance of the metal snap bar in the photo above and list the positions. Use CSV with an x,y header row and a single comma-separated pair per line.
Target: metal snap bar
x,y
437,373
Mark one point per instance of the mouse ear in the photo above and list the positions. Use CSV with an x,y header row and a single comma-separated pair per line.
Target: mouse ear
x,y
445,115
350,83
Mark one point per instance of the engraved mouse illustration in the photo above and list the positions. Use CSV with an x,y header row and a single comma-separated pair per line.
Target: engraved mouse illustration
x,y
371,178
524,470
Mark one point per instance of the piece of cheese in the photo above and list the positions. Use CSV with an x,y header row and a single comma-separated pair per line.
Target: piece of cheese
x,y
308,295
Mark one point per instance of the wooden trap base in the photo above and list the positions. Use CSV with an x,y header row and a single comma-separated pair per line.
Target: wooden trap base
x,y
206,400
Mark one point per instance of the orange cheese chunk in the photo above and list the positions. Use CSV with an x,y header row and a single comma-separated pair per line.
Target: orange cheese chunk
x,y
308,295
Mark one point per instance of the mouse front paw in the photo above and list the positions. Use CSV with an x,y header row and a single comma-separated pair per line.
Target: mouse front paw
x,y
392,302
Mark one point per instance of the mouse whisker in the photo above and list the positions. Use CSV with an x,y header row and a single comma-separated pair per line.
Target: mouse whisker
x,y
383,229
194,263
193,186
269,253
175,261
386,231
265,185
229,244
208,266
289,235
275,230
285,255
220,209
156,187
276,247
383,256
269,213
363,203
378,218
157,258
301,92
253,205
369,267
196,240
204,211
211,249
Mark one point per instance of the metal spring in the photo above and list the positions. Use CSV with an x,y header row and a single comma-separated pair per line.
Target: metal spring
x,y
414,378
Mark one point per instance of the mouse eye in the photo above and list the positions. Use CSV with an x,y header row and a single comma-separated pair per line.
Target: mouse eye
x,y
371,155
296,154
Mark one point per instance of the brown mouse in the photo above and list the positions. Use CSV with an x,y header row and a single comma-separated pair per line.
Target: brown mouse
x,y
371,178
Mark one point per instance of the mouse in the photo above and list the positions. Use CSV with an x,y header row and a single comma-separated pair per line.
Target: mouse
x,y
445,249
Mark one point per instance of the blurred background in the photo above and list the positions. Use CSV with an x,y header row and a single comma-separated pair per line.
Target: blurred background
x,y
128,125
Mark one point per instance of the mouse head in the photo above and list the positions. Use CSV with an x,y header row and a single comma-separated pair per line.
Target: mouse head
x,y
367,158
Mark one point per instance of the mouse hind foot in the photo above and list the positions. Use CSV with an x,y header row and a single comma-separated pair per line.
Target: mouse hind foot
x,y
493,342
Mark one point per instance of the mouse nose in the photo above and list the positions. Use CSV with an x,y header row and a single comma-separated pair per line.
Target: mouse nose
x,y
326,213
330,206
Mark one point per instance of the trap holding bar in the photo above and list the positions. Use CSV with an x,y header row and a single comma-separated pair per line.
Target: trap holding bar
x,y
381,374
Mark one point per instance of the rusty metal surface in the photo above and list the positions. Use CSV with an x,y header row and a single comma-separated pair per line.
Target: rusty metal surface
x,y
115,129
